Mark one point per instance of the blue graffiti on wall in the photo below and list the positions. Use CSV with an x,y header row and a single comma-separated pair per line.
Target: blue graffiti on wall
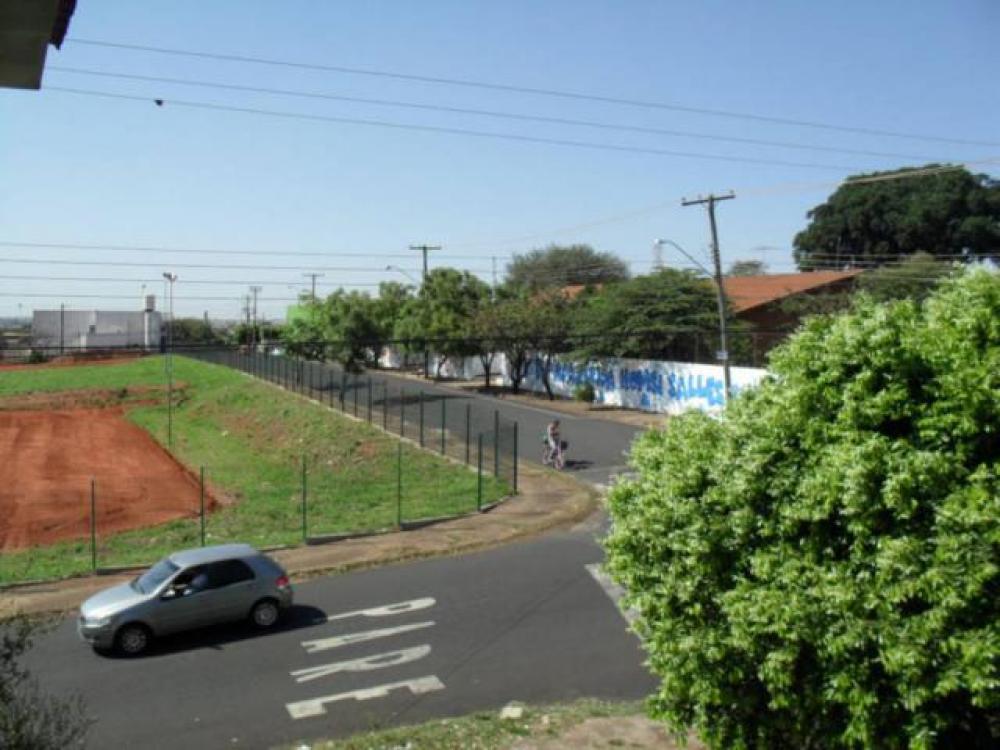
x,y
653,387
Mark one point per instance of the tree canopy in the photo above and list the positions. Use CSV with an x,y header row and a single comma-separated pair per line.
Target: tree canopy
x,y
820,567
648,317
562,265
441,315
747,268
948,213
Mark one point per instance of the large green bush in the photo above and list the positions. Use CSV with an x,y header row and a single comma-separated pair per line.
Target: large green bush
x,y
819,568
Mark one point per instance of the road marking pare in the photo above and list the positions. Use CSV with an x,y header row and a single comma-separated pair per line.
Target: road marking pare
x,y
364,664
324,644
317,706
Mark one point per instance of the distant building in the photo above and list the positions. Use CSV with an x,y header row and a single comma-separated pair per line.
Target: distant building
x,y
763,301
83,330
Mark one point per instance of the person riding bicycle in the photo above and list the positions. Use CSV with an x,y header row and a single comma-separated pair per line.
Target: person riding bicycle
x,y
552,439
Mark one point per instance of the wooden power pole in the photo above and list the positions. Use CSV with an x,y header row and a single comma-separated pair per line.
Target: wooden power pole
x,y
723,353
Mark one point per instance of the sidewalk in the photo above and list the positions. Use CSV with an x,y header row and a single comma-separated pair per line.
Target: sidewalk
x,y
547,500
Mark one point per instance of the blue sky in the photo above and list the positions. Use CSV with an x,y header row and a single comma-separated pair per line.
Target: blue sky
x,y
82,169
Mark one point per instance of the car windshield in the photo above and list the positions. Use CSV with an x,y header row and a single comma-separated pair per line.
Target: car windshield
x,y
148,582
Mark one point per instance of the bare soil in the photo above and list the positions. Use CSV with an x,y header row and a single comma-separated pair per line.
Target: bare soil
x,y
76,360
49,458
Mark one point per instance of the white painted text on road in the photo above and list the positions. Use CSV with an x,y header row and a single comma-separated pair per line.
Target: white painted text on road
x,y
317,706
364,664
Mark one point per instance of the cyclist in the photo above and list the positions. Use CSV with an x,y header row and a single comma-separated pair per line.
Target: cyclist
x,y
553,445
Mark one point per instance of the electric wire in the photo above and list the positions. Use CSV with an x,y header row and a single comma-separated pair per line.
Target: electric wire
x,y
590,145
582,96
490,113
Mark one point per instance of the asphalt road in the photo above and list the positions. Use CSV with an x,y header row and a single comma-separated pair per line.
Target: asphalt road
x,y
596,446
390,646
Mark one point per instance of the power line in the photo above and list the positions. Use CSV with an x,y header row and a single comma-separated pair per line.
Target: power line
x,y
227,282
582,96
593,145
491,113
133,264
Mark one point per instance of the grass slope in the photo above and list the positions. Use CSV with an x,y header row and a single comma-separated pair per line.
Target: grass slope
x,y
251,438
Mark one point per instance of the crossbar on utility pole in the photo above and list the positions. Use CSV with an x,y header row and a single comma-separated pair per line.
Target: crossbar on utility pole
x,y
723,353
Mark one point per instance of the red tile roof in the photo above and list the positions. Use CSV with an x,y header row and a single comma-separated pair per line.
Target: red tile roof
x,y
747,292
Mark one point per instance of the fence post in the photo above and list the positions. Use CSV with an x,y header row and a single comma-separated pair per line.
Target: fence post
x,y
399,484
515,456
201,483
421,419
355,389
496,443
305,532
479,476
468,433
402,412
93,524
385,406
443,414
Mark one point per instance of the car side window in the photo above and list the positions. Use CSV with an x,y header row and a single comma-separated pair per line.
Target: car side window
x,y
228,572
190,581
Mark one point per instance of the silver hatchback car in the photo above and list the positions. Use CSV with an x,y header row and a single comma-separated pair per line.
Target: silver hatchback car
x,y
184,591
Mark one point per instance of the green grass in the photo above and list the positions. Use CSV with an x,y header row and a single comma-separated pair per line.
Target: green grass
x,y
484,730
251,439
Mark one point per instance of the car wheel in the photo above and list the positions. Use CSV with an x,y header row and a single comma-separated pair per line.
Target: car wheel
x,y
264,614
133,640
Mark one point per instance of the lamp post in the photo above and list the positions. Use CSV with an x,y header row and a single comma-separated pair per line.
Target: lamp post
x,y
397,269
170,278
720,299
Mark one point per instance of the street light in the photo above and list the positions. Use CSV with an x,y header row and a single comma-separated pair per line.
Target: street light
x,y
170,278
400,270
720,295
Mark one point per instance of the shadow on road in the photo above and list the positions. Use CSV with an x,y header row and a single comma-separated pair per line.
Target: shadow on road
x,y
297,617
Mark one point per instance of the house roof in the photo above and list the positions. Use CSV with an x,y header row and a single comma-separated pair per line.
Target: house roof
x,y
748,292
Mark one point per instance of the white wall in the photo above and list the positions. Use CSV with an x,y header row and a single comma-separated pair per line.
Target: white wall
x,y
648,385
661,387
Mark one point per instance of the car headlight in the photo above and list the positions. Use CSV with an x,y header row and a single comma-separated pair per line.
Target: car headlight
x,y
97,622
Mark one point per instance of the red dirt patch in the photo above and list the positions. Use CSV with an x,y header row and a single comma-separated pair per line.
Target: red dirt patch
x,y
89,398
49,459
76,360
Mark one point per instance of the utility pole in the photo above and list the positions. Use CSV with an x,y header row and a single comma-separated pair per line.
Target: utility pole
x,y
170,278
313,276
723,353
494,271
253,327
425,249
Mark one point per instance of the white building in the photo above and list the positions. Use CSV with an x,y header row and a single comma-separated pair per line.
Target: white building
x,y
80,330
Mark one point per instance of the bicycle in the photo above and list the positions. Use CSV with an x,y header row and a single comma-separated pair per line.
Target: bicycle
x,y
555,457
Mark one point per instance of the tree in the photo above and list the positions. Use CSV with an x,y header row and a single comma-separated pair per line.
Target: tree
x,y
193,331
819,568
913,278
747,268
649,317
488,332
563,265
442,314
388,307
353,335
513,318
29,719
306,330
547,328
949,213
